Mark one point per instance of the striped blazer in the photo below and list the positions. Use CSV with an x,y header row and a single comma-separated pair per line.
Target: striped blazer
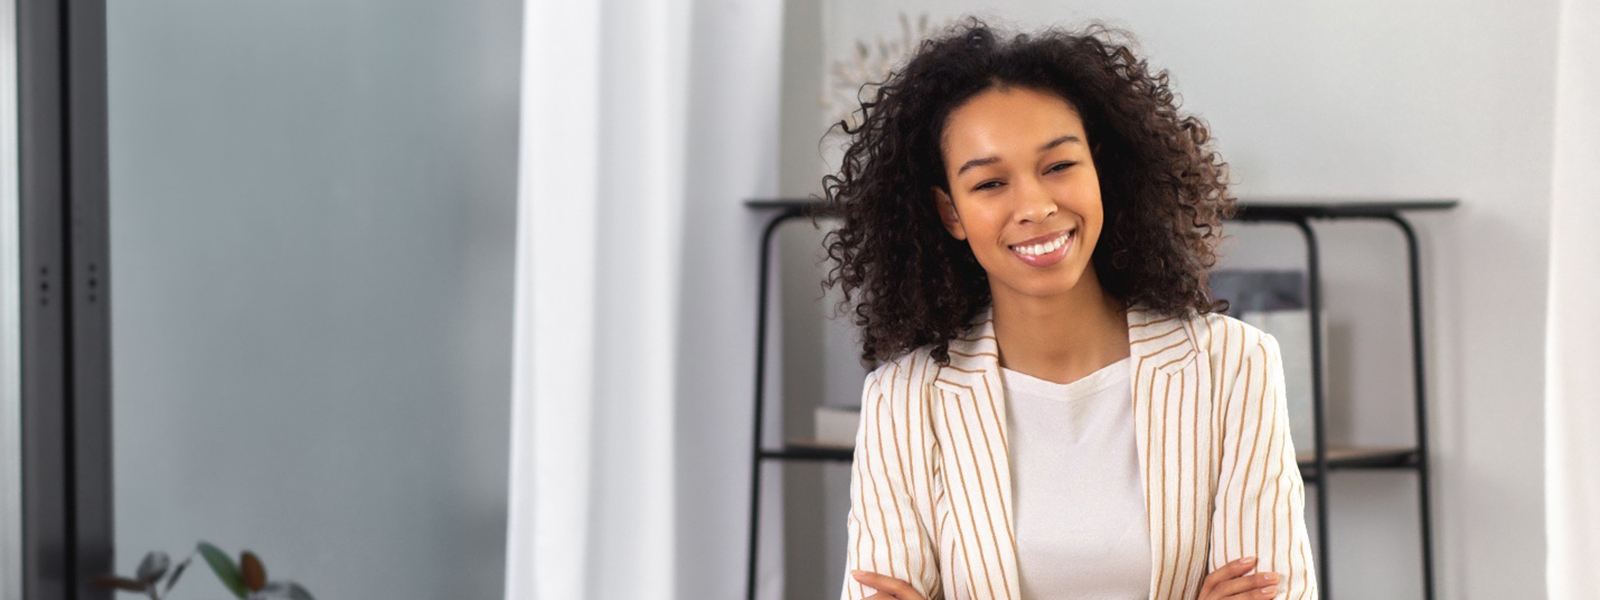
x,y
931,496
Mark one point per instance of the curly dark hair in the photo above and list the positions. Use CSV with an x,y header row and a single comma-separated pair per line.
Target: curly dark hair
x,y
1163,187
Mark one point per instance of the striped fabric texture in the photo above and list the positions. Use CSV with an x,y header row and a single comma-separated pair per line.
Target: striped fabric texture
x,y
931,484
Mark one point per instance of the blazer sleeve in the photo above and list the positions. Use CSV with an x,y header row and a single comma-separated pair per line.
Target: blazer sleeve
x,y
886,532
1260,508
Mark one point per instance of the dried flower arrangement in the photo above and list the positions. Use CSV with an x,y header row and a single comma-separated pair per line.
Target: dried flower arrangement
x,y
859,76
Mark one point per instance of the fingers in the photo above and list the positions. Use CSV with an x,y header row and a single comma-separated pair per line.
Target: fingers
x,y
887,586
1226,572
1232,581
1249,587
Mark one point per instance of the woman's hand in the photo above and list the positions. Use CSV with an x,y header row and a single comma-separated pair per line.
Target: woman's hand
x,y
1233,582
888,588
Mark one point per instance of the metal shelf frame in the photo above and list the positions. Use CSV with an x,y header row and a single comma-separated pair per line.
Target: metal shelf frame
x,y
1295,213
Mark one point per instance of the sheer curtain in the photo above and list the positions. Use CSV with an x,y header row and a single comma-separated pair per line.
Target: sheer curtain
x,y
600,198
10,317
1573,411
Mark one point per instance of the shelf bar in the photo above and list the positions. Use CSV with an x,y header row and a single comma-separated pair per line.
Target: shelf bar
x,y
1339,459
1336,210
1423,476
761,382
1270,209
1319,443
807,453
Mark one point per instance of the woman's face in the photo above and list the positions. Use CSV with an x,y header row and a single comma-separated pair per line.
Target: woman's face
x,y
1023,190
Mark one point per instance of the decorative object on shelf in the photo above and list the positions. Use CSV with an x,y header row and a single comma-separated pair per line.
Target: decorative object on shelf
x,y
859,76
1275,302
837,425
246,579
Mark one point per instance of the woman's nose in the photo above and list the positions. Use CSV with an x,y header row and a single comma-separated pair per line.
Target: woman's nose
x,y
1036,203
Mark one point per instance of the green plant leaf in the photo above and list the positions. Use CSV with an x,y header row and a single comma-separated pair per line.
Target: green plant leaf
x,y
226,570
153,566
176,573
286,589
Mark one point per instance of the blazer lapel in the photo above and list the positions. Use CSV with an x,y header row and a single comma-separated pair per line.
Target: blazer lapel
x,y
972,425
1165,382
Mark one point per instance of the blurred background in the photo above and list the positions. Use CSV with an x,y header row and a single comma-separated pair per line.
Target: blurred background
x,y
424,299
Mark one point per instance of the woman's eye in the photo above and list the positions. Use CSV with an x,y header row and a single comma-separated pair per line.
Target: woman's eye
x,y
987,185
1059,166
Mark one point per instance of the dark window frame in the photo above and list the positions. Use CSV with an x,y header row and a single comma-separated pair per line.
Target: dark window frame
x,y
67,529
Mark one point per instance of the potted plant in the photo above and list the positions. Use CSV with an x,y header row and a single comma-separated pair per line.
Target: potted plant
x,y
247,579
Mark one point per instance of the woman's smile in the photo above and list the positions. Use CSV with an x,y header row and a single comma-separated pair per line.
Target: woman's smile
x,y
1046,250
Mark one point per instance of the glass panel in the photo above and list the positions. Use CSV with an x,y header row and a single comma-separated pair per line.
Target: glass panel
x,y
312,233
10,317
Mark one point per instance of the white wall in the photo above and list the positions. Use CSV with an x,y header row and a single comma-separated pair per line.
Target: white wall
x,y
312,228
1378,99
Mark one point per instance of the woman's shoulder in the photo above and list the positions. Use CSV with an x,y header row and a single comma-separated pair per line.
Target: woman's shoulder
x,y
1229,340
1222,326
922,364
917,365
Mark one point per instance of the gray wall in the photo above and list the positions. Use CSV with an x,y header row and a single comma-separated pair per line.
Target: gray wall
x,y
312,235
815,350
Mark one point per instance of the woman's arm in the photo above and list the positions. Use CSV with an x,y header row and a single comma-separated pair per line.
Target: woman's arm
x,y
1260,505
886,532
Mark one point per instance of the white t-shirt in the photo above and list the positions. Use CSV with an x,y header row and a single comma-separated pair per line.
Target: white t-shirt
x,y
1082,531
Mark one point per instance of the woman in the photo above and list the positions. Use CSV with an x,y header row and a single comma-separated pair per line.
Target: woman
x,y
1059,411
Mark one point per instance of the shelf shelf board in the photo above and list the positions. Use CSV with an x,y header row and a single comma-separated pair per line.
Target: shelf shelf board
x,y
1338,458
1249,208
804,449
1379,458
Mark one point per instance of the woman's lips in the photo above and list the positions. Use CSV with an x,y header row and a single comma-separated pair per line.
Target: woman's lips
x,y
1047,252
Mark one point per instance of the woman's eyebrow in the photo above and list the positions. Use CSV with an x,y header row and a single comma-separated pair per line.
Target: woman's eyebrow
x,y
1059,141
989,160
977,162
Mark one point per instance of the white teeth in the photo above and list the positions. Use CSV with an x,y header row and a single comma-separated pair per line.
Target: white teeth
x,y
1045,248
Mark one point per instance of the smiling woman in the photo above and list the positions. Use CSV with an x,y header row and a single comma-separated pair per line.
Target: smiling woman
x,y
1057,409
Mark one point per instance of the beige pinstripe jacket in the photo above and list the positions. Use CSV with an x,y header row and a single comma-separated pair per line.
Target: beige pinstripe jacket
x,y
931,487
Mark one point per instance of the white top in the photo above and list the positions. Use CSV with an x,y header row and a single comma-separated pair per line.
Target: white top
x,y
1082,531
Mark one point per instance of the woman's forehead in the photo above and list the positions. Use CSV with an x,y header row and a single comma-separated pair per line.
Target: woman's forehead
x,y
1010,120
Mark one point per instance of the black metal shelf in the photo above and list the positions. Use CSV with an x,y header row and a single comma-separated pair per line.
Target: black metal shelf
x,y
1348,459
1314,464
1267,207
803,452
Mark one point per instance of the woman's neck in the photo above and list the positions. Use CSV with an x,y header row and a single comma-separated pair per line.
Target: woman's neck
x,y
1061,339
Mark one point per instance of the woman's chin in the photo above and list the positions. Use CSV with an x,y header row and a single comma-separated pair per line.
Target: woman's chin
x,y
1037,288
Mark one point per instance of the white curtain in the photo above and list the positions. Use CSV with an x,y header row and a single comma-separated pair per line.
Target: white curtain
x,y
1572,417
10,316
604,96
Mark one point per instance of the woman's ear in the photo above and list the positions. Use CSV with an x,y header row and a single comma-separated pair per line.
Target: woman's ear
x,y
948,214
